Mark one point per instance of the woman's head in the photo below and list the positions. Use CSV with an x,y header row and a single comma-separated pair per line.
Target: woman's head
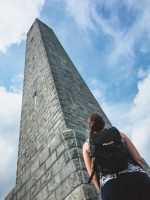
x,y
95,123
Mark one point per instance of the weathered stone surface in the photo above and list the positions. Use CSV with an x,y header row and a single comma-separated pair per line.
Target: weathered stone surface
x,y
43,155
46,177
27,196
76,179
21,193
26,176
64,190
53,144
35,188
40,171
30,183
83,193
35,165
18,186
60,149
58,165
14,197
54,183
43,194
51,160
9,196
52,197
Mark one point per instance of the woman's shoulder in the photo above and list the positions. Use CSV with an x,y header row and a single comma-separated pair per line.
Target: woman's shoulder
x,y
123,136
86,145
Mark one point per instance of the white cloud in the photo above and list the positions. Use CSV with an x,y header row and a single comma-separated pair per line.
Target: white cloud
x,y
16,18
10,109
140,116
141,136
141,101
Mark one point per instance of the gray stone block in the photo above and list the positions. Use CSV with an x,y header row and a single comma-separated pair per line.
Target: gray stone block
x,y
35,188
60,150
51,160
53,144
52,197
26,176
18,186
76,179
64,190
40,171
30,183
82,192
21,193
58,165
14,197
9,196
43,155
70,143
67,170
67,134
43,194
54,183
27,196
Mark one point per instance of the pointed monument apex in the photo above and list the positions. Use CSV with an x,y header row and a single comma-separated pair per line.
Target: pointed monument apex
x,y
55,107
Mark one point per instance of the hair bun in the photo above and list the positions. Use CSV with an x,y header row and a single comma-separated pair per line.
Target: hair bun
x,y
96,123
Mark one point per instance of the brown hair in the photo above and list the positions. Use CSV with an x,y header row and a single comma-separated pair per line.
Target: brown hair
x,y
95,123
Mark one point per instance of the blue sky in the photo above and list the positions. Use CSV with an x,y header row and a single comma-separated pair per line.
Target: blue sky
x,y
109,43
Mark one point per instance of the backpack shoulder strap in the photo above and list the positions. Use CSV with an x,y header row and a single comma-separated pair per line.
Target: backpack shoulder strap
x,y
94,169
89,181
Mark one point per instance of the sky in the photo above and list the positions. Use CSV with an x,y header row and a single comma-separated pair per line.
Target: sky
x,y
109,43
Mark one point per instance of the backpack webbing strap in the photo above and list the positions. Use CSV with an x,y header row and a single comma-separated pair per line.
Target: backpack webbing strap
x,y
89,181
94,169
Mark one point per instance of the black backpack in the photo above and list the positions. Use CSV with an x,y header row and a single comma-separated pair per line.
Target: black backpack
x,y
109,152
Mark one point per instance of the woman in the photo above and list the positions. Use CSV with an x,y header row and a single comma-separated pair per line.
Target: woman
x,y
131,184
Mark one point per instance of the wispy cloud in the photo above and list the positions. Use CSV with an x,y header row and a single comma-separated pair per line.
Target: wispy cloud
x,y
126,22
81,13
98,88
15,20
16,83
143,73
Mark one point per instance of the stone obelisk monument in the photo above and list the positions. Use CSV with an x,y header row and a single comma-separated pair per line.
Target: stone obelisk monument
x,y
55,107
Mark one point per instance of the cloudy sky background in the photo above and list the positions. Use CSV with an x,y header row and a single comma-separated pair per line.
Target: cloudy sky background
x,y
108,41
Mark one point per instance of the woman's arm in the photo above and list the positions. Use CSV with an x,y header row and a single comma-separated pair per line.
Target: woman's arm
x,y
133,151
88,164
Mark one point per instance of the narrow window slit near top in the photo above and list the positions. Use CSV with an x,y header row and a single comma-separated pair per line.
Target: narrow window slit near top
x,y
35,100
